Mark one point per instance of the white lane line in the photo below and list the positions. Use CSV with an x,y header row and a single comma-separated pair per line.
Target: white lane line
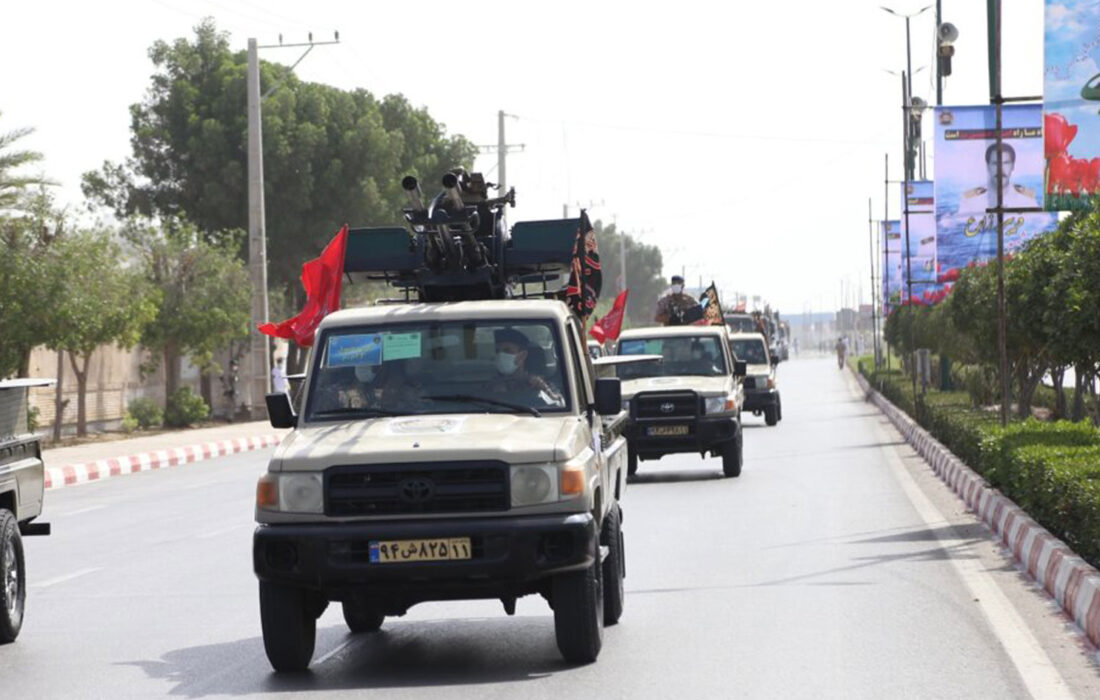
x,y
334,652
1034,666
81,511
66,577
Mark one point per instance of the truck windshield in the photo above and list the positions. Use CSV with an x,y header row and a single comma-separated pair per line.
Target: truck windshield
x,y
750,350
470,366
741,323
681,355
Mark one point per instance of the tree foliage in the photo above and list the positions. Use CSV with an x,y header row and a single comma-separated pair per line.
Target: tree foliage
x,y
643,273
100,302
330,156
203,290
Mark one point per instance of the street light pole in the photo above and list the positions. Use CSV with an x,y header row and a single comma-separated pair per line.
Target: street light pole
x,y
259,355
1002,332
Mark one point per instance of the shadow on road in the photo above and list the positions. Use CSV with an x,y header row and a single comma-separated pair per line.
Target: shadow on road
x,y
679,475
402,655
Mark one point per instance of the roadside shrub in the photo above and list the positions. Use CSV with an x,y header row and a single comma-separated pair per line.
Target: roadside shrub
x,y
146,413
129,423
184,408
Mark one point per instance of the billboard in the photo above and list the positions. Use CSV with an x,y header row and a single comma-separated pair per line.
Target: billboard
x,y
1071,100
966,183
891,245
920,200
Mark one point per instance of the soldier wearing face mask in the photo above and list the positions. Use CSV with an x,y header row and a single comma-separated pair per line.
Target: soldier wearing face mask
x,y
512,352
675,308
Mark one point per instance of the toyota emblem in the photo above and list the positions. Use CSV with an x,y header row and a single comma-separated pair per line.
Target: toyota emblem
x,y
416,490
667,407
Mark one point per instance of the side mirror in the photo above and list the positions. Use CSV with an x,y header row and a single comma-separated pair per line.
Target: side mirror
x,y
740,368
609,396
279,411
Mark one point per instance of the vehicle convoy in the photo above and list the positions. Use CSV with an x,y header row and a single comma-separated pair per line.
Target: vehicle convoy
x,y
689,401
447,450
761,392
22,482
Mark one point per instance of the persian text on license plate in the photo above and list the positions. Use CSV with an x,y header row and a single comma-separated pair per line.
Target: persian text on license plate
x,y
397,551
666,430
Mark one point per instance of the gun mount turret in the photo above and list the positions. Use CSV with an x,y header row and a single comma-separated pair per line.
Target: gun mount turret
x,y
457,246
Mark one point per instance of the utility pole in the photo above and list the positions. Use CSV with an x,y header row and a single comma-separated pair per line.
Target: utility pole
x,y
258,367
874,316
886,250
998,100
502,149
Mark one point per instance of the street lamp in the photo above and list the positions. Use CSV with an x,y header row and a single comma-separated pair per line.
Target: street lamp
x,y
909,73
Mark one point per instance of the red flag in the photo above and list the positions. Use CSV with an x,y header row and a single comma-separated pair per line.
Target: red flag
x,y
608,327
323,279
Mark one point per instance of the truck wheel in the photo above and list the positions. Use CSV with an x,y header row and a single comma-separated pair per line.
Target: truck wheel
x,y
360,618
578,612
631,462
614,568
732,457
771,415
289,626
13,578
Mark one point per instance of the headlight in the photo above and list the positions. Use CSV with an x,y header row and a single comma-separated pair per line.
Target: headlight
x,y
291,493
534,484
718,404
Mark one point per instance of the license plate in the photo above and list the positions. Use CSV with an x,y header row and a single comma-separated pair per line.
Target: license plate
x,y
666,430
398,551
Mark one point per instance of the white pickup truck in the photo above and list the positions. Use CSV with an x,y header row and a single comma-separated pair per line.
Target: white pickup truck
x,y
444,451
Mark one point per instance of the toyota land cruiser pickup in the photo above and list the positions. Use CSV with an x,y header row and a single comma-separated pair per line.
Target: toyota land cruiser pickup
x,y
444,451
761,393
688,401
22,481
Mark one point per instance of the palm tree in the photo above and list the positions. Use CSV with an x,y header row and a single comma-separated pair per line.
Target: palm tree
x,y
13,185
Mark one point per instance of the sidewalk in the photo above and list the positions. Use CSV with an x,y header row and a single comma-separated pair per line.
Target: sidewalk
x,y
66,466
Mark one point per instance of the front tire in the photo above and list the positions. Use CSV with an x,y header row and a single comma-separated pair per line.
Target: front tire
x,y
771,415
732,457
614,568
361,618
13,578
578,612
289,626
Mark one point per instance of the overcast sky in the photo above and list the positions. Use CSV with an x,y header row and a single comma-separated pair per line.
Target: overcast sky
x,y
742,138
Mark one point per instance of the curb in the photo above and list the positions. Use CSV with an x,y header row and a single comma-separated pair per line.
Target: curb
x,y
1069,579
84,472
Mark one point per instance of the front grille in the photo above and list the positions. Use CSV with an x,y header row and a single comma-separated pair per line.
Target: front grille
x,y
671,404
427,487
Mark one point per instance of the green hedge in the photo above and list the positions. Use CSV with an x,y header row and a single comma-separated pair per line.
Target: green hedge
x,y
1051,470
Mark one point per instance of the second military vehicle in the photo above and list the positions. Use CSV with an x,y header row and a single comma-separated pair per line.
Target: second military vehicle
x,y
761,392
688,401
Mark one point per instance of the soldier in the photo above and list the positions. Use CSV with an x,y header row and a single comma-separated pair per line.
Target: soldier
x,y
514,356
675,308
978,199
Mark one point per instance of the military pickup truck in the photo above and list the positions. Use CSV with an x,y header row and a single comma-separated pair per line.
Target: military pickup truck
x,y
761,392
688,401
444,451
22,480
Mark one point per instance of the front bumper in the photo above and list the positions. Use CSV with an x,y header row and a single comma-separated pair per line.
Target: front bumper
x,y
511,555
760,400
704,434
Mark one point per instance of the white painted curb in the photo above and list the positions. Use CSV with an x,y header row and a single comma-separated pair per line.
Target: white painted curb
x,y
71,474
1071,581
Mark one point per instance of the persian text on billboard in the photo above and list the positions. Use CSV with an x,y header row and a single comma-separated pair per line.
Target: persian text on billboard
x,y
922,240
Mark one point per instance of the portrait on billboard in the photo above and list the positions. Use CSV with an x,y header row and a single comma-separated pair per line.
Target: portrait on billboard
x,y
967,183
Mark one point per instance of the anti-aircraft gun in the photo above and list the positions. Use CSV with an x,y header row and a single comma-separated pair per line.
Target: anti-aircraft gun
x,y
457,247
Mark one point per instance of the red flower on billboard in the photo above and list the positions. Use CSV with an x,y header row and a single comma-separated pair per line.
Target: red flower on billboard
x,y
1058,134
1061,173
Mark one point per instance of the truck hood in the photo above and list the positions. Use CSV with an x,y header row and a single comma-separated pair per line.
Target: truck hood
x,y
707,386
453,437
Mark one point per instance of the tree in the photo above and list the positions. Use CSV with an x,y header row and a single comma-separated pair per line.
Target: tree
x,y
330,156
14,185
100,302
643,273
28,289
203,292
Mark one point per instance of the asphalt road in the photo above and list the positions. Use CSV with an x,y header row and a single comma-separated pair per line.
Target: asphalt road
x,y
835,566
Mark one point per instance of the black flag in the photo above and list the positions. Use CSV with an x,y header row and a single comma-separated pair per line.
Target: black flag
x,y
587,278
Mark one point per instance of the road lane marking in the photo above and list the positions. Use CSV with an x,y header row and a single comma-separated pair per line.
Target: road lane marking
x,y
66,577
334,652
1037,671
